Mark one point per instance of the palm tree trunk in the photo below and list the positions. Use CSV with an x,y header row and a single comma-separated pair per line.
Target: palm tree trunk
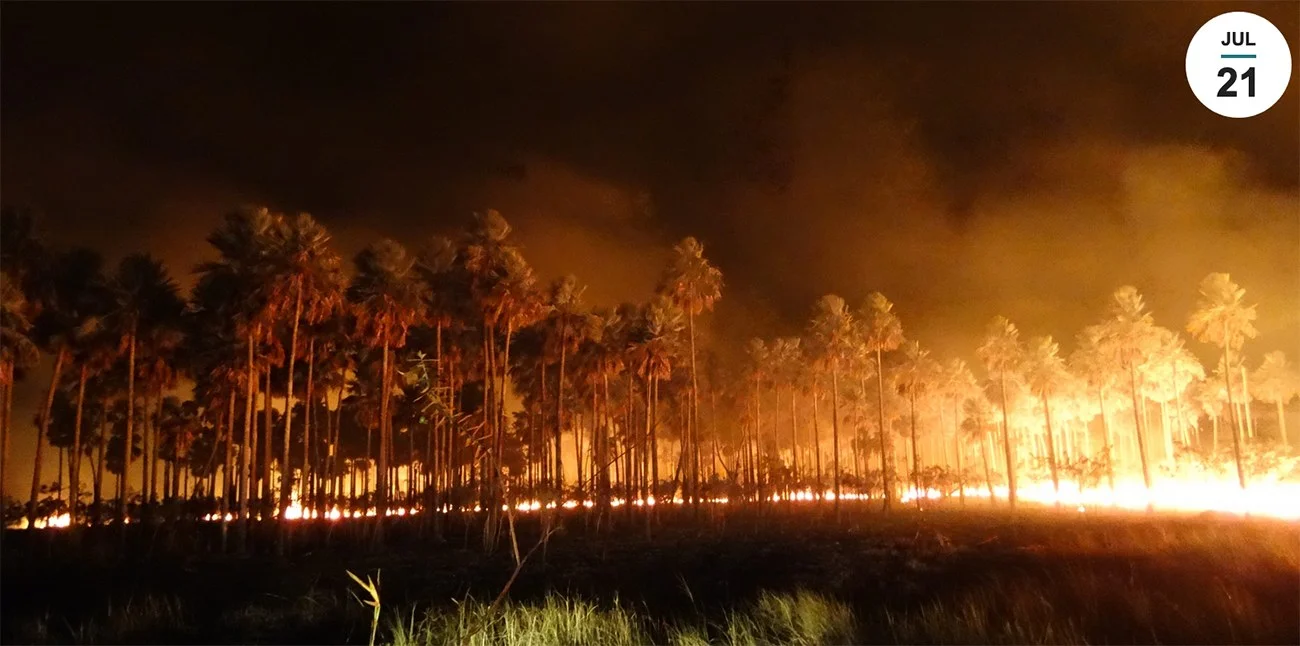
x,y
1245,405
1137,424
382,479
1281,422
438,463
1236,432
958,449
128,441
226,465
97,499
817,444
5,421
602,452
267,490
246,477
559,421
885,443
1105,430
286,471
59,357
654,438
1051,449
503,422
1006,442
75,467
758,439
835,436
984,456
147,462
1166,433
154,439
692,421
794,440
310,449
916,455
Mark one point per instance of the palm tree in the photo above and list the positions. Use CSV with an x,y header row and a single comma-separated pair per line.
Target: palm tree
x,y
1223,319
1095,360
303,270
606,337
1045,374
145,298
694,285
93,353
502,286
760,369
1135,337
654,341
68,314
958,386
881,332
236,288
17,351
1002,354
977,411
388,302
915,378
1277,381
565,322
446,292
159,342
787,363
832,330
23,258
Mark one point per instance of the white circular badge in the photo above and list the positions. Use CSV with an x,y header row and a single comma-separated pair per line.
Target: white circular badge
x,y
1238,64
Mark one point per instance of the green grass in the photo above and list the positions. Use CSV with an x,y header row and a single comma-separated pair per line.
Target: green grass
x,y
799,619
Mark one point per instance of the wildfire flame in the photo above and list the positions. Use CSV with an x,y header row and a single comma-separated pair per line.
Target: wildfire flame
x,y
1266,496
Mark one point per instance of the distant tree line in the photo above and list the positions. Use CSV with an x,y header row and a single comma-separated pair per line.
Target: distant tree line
x,y
447,377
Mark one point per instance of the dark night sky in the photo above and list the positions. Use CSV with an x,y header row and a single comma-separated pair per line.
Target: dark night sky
x,y
966,159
